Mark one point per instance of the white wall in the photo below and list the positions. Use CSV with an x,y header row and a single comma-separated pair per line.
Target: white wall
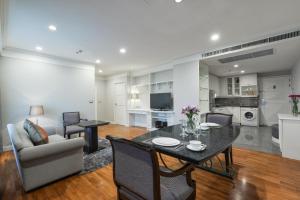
x,y
296,78
185,86
57,88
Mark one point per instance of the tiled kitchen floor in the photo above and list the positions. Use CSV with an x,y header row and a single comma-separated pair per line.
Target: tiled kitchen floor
x,y
258,139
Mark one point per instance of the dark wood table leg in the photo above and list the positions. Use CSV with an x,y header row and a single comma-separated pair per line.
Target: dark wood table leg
x,y
228,170
91,139
227,160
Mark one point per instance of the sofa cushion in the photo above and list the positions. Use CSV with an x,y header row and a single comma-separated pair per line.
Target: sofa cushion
x,y
36,133
43,133
20,137
55,139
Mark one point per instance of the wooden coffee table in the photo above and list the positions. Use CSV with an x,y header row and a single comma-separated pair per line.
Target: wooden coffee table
x,y
91,134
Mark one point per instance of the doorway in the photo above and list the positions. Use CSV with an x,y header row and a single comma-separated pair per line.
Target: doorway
x,y
101,94
120,98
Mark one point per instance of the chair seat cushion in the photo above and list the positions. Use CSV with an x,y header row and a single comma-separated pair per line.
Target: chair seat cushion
x,y
55,138
128,194
74,129
171,188
174,188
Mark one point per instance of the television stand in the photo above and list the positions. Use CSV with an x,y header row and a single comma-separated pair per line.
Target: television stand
x,y
147,118
166,118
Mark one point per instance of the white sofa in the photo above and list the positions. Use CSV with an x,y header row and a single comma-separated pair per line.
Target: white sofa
x,y
42,164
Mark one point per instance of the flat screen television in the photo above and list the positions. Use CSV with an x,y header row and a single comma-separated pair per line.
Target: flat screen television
x,y
161,101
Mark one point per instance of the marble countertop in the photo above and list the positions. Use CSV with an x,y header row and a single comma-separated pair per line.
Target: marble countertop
x,y
288,116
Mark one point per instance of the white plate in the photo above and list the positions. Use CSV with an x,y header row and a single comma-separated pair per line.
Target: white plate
x,y
210,124
166,141
204,128
201,148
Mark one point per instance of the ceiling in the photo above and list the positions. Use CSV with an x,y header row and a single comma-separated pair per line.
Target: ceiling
x,y
153,31
286,54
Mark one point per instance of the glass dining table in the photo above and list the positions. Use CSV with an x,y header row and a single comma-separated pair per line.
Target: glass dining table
x,y
217,140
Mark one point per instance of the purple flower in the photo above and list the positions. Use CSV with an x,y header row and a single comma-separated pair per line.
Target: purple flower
x,y
190,111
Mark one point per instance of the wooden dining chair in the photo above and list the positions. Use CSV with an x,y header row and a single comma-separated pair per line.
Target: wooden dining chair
x,y
137,174
223,120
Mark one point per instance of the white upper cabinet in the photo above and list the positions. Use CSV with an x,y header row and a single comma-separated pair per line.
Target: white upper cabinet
x,y
245,85
249,85
248,80
233,86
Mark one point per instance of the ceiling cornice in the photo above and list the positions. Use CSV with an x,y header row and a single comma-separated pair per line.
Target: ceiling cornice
x,y
44,58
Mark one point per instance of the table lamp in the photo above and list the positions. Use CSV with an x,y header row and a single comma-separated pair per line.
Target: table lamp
x,y
36,110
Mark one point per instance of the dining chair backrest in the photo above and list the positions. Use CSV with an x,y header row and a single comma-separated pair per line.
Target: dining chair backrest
x,y
219,118
70,118
135,168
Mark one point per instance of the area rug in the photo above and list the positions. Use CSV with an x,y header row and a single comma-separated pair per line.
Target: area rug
x,y
99,158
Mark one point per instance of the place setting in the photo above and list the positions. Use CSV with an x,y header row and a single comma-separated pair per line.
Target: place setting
x,y
167,142
193,145
196,145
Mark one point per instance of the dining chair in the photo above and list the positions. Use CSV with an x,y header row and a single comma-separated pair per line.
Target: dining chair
x,y
224,120
70,123
219,118
138,176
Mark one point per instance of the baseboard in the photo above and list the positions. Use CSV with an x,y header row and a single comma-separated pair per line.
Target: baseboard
x,y
7,148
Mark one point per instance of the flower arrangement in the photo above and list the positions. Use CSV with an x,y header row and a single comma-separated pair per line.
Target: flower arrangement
x,y
295,101
190,112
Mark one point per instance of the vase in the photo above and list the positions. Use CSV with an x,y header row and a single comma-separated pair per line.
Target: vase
x,y
295,108
191,126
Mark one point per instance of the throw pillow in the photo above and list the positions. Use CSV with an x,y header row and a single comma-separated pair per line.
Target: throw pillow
x,y
37,134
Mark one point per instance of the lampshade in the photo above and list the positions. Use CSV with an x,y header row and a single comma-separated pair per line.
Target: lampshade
x,y
36,110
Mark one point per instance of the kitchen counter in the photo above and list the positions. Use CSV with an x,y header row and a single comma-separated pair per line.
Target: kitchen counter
x,y
289,126
288,117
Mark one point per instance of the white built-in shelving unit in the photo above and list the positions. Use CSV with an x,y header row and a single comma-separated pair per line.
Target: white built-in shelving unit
x,y
141,87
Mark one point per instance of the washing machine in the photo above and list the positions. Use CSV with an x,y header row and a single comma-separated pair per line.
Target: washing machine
x,y
249,116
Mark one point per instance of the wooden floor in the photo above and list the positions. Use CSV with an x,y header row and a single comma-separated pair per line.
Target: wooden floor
x,y
260,176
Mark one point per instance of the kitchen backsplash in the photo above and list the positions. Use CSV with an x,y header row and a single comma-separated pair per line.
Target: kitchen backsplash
x,y
237,101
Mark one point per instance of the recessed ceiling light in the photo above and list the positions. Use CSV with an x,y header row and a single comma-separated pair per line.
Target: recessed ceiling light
x,y
236,65
39,48
178,1
123,50
98,61
100,71
242,71
215,37
52,28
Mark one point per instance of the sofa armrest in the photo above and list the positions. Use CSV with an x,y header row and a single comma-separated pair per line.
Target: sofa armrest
x,y
45,150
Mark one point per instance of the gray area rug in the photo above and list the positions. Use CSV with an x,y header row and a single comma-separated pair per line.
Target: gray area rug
x,y
99,158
